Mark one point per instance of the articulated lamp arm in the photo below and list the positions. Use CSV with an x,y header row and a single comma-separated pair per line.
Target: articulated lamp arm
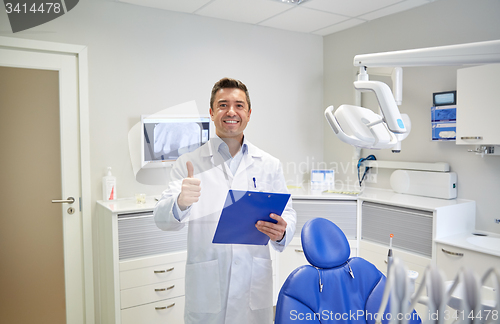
x,y
358,127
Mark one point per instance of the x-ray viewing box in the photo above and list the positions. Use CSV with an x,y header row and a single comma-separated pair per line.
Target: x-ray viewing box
x,y
165,138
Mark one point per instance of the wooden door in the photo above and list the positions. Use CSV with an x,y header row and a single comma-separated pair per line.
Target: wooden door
x,y
31,230
42,256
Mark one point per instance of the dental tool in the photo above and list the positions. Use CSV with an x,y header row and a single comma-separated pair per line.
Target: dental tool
x,y
389,254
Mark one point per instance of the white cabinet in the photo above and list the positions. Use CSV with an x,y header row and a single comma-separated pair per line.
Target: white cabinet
x,y
411,228
451,258
415,223
169,311
290,259
477,105
141,267
377,255
412,242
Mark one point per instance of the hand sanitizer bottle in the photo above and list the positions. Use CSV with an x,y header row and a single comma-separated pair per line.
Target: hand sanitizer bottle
x,y
109,186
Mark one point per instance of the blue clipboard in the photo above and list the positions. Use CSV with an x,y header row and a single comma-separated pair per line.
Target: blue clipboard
x,y
241,212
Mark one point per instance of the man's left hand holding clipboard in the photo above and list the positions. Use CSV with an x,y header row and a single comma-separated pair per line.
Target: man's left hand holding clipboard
x,y
276,232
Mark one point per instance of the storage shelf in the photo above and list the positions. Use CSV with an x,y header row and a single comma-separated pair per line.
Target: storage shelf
x,y
421,166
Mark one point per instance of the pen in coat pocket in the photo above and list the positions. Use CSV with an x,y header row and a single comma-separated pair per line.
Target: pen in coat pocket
x,y
254,183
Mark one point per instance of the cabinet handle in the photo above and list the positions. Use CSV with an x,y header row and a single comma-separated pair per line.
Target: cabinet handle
x,y
165,307
299,250
471,137
163,271
452,253
163,289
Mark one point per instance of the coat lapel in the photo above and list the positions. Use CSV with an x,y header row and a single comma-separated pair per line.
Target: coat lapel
x,y
249,159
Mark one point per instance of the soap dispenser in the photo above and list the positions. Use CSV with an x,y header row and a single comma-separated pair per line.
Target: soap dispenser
x,y
109,186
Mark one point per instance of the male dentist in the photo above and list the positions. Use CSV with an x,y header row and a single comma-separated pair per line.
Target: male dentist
x,y
225,283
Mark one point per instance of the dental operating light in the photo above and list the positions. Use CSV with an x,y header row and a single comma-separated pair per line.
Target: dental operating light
x,y
363,128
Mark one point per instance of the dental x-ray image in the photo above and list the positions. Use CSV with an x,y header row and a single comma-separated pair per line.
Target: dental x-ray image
x,y
173,140
168,138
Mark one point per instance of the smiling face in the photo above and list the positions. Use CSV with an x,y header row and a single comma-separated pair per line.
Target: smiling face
x,y
230,113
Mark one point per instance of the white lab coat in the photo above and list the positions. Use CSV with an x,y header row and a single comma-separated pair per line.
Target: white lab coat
x,y
225,283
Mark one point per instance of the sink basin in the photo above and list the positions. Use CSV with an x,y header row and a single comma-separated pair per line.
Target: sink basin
x,y
486,242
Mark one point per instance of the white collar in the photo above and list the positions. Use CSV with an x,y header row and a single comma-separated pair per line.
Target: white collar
x,y
216,141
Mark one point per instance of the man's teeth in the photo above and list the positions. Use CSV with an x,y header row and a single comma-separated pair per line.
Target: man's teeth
x,y
231,121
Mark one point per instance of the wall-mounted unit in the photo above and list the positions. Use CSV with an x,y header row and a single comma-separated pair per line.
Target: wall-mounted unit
x,y
478,108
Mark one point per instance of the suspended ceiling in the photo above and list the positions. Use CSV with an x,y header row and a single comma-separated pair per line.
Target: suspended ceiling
x,y
320,17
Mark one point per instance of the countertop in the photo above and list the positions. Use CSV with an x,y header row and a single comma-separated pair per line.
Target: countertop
x,y
128,205
376,195
383,196
460,240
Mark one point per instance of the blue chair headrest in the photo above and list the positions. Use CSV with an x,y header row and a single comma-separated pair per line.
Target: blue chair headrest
x,y
325,245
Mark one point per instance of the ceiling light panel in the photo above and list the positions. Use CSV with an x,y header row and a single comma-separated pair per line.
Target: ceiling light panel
x,y
248,11
351,8
296,2
303,20
402,6
340,26
172,5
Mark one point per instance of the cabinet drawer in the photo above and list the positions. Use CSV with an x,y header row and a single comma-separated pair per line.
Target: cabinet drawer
x,y
377,254
152,293
476,261
151,275
165,311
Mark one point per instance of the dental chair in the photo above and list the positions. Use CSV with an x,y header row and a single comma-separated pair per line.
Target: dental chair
x,y
334,288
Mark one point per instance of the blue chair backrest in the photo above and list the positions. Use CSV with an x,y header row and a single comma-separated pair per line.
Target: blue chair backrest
x,y
334,288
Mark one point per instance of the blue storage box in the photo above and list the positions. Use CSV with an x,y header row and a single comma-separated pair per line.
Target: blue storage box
x,y
444,131
443,113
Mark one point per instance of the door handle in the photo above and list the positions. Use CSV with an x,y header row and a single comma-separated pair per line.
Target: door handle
x,y
69,200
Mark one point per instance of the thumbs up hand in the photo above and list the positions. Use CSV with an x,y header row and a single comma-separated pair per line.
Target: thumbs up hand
x,y
191,189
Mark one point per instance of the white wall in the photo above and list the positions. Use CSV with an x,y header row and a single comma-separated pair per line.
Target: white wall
x,y
143,60
444,22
